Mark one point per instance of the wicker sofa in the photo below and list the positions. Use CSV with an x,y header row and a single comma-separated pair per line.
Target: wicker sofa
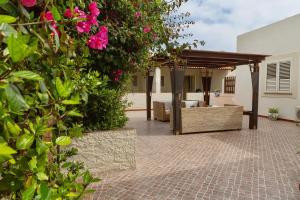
x,y
207,119
161,111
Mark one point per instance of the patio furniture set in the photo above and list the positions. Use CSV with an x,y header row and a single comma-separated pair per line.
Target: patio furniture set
x,y
196,117
204,119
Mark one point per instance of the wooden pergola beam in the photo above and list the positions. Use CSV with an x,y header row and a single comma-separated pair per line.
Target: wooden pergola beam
x,y
220,55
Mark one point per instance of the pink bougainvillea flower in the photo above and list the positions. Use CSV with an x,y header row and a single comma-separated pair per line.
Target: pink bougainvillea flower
x,y
94,9
48,16
68,13
95,42
103,31
92,19
79,13
137,15
83,27
28,3
147,29
100,40
117,74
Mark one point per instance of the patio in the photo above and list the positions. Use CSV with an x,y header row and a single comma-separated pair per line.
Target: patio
x,y
247,164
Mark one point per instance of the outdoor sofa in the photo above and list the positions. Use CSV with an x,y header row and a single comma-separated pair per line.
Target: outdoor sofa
x,y
208,119
162,110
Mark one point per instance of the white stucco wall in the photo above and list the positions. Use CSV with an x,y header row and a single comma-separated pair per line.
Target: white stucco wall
x,y
216,84
138,100
281,40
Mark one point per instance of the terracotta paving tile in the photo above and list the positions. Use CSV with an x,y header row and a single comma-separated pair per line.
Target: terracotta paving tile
x,y
242,165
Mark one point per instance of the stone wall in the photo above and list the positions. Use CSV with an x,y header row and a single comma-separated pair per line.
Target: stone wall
x,y
105,151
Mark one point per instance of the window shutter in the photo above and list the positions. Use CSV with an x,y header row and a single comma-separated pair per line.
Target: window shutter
x,y
271,77
285,76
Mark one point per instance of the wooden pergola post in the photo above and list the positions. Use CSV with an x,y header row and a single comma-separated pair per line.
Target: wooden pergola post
x,y
255,95
149,82
177,79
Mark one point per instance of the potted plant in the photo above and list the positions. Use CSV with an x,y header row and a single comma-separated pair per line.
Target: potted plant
x,y
273,113
217,93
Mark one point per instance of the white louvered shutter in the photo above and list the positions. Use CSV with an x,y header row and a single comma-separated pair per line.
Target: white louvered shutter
x,y
285,76
272,77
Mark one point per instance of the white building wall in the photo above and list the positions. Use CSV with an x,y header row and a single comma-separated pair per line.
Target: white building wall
x,y
281,40
138,100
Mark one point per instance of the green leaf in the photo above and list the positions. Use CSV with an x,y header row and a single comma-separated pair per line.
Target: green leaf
x,y
27,75
16,102
28,194
10,8
24,11
87,178
42,176
18,47
63,141
32,163
74,101
44,97
4,158
45,192
63,90
41,147
3,1
6,150
7,19
12,161
25,141
56,14
72,194
7,30
74,113
13,128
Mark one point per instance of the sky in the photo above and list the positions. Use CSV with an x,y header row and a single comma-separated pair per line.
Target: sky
x,y
219,22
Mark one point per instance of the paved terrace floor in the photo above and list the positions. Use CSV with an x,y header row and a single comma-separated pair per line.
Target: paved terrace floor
x,y
247,164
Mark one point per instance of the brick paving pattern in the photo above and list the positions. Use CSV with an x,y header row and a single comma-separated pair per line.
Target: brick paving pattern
x,y
247,164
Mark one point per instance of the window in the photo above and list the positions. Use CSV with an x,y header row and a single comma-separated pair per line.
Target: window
x,y
229,85
134,81
162,81
271,77
285,76
279,77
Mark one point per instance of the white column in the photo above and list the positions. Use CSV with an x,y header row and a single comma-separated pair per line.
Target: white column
x,y
157,79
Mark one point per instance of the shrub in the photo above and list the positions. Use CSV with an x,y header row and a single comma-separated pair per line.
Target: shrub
x,y
38,110
273,110
105,110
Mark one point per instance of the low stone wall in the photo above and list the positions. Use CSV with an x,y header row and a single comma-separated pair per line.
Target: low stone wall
x,y
105,151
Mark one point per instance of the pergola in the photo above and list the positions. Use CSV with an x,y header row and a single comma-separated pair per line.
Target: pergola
x,y
198,59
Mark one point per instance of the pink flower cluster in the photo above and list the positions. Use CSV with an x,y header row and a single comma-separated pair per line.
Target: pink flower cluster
x,y
138,15
86,21
28,3
147,29
117,74
48,16
100,40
